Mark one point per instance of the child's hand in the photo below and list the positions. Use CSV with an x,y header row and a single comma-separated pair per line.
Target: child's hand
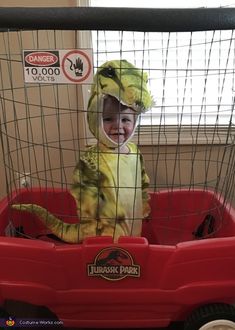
x,y
148,218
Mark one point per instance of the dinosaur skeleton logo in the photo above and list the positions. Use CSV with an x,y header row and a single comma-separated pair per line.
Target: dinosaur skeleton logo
x,y
113,264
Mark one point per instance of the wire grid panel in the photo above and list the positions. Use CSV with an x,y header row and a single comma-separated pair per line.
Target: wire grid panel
x,y
40,122
187,139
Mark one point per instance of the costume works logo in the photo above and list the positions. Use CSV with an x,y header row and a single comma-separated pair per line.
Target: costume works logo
x,y
10,322
113,264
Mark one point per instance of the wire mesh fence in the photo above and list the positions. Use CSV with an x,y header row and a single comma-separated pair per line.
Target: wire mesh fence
x,y
186,138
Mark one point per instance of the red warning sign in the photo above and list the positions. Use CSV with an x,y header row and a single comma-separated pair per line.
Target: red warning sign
x,y
60,66
77,66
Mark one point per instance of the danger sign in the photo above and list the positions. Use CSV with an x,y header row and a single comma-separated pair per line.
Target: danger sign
x,y
72,66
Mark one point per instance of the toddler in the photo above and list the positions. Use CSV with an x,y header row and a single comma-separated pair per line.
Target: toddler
x,y
110,182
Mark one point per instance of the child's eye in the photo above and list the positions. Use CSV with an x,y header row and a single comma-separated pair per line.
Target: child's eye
x,y
107,119
125,120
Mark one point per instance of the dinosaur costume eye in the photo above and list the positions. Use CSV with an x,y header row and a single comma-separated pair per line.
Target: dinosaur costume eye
x,y
108,72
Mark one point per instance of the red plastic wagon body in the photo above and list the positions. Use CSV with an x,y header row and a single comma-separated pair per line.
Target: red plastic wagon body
x,y
146,281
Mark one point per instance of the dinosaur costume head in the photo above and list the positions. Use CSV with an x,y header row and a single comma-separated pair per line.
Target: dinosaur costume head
x,y
127,84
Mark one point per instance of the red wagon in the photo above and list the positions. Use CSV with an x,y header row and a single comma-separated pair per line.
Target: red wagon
x,y
167,275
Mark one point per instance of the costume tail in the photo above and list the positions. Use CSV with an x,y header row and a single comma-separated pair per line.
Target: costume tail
x,y
74,233
67,232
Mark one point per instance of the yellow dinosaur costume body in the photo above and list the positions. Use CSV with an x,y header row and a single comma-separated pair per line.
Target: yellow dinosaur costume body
x,y
113,203
110,188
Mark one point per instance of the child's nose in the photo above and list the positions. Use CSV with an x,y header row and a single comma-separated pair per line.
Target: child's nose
x,y
118,123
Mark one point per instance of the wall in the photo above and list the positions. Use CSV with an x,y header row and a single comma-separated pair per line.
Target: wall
x,y
38,3
26,102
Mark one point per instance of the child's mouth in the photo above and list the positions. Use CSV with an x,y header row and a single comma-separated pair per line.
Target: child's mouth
x,y
117,137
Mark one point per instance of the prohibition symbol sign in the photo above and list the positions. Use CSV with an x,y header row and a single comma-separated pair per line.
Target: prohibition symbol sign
x,y
76,66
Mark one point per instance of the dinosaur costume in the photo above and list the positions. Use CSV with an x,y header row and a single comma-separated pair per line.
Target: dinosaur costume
x,y
108,202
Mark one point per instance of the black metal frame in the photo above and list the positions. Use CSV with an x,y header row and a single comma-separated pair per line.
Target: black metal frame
x,y
123,19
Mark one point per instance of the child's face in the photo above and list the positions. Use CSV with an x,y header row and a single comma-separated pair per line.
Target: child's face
x,y
118,120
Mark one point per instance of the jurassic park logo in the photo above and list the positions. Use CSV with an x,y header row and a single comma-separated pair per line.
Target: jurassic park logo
x,y
113,264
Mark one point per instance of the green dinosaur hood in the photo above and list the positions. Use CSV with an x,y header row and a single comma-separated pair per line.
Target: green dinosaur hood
x,y
127,84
